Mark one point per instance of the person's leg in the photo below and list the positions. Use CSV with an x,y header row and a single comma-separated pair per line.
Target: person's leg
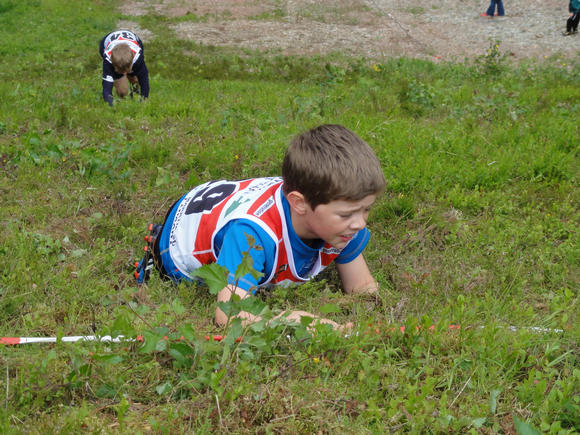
x,y
569,24
122,86
575,21
490,9
500,10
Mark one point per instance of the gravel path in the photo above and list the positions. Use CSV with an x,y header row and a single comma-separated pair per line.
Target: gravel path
x,y
440,30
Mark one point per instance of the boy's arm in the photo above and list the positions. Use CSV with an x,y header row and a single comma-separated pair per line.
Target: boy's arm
x,y
107,79
225,295
356,276
142,74
221,319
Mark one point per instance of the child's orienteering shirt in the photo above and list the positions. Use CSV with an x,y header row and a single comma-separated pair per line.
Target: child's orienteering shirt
x,y
139,68
211,223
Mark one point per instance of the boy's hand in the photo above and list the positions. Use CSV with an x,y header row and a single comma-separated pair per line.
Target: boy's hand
x,y
291,316
224,295
346,328
295,316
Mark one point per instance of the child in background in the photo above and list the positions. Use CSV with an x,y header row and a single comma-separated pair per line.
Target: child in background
x,y
315,214
123,62
490,10
572,22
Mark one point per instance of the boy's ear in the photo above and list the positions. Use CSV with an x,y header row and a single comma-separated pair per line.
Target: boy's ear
x,y
297,202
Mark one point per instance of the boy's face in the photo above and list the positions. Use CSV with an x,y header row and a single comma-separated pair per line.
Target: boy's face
x,y
338,221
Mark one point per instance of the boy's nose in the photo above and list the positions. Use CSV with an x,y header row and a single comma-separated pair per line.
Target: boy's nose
x,y
358,223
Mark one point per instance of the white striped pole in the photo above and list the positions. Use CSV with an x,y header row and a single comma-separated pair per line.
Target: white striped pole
x,y
69,339
140,338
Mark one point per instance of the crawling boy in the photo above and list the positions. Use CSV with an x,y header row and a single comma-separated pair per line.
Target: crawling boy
x,y
315,214
123,62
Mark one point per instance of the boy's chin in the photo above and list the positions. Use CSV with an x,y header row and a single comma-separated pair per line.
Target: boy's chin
x,y
339,244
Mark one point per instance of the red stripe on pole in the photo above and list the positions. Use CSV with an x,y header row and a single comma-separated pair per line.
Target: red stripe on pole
x,y
10,340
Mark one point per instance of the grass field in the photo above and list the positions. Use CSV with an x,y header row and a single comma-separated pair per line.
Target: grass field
x,y
478,227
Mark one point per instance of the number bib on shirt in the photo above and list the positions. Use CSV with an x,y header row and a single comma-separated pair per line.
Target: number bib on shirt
x,y
205,210
122,37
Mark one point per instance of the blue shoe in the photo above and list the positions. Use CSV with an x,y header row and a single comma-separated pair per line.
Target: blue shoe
x,y
143,268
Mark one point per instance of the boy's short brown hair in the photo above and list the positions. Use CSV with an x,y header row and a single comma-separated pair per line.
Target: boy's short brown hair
x,y
331,162
122,58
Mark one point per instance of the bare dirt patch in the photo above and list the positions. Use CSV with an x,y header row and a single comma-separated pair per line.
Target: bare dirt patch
x,y
438,30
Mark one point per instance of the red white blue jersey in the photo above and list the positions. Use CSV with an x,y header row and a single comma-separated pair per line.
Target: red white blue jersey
x,y
118,37
139,69
205,210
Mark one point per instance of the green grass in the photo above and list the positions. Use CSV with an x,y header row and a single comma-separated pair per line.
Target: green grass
x,y
478,227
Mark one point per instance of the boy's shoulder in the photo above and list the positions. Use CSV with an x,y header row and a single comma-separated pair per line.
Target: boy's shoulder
x,y
256,200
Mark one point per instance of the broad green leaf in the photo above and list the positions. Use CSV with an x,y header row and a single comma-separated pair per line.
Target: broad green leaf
x,y
229,308
214,275
258,326
257,342
306,320
215,380
163,177
163,388
478,422
178,308
163,308
493,400
329,308
180,352
252,305
161,331
234,332
176,354
76,253
122,326
85,370
161,345
106,391
149,342
188,332
523,428
246,267
183,348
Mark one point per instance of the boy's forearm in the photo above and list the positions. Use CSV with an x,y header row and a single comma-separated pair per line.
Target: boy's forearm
x,y
108,92
221,318
356,277
143,77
